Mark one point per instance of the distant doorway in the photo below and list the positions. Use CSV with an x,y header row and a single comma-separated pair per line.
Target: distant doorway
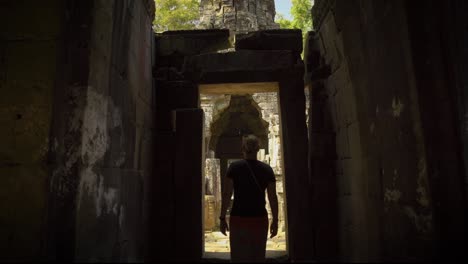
x,y
250,108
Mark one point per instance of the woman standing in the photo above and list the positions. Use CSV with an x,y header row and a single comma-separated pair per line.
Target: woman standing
x,y
248,225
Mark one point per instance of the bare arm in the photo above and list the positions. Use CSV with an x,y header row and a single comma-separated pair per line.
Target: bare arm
x,y
225,202
226,197
273,199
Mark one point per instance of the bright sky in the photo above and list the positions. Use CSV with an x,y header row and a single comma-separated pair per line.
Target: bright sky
x,y
283,7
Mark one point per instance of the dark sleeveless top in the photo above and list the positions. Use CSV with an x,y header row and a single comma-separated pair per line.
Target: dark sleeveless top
x,y
249,200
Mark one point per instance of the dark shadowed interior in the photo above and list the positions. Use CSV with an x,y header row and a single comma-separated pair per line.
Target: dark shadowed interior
x,y
107,128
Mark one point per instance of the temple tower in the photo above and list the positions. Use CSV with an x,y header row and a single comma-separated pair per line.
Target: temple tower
x,y
240,16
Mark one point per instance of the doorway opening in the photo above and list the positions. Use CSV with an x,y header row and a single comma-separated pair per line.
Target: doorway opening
x,y
232,111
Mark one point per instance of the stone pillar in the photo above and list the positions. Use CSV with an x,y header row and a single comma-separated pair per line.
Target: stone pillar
x,y
167,208
295,153
189,183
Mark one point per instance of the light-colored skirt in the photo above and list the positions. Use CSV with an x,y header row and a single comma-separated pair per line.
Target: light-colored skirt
x,y
247,237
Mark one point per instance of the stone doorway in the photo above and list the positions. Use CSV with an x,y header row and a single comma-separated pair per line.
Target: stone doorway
x,y
192,63
227,118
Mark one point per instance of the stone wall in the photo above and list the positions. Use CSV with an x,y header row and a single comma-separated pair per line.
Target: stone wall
x,y
268,103
368,99
101,142
383,204
30,34
117,134
240,16
440,77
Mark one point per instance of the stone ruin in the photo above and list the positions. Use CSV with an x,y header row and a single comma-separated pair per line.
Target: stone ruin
x,y
239,16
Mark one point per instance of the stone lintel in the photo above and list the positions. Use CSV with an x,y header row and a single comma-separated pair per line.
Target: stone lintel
x,y
238,88
196,33
278,39
191,42
243,60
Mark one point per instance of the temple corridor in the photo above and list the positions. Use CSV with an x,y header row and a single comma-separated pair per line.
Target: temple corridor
x,y
115,140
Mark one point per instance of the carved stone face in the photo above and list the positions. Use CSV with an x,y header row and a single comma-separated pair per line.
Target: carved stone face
x,y
246,23
239,15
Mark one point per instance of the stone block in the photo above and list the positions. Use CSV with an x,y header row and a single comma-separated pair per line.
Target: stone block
x,y
295,150
191,42
162,198
342,144
328,118
345,244
110,200
323,145
99,71
328,31
26,128
189,182
350,104
354,181
23,205
344,179
312,56
16,18
281,39
354,138
373,178
330,84
32,60
345,212
341,109
101,34
331,107
24,92
173,95
341,77
210,215
168,74
243,60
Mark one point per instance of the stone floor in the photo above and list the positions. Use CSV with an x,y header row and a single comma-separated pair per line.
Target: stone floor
x,y
217,246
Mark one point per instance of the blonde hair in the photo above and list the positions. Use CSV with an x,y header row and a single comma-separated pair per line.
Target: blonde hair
x,y
250,144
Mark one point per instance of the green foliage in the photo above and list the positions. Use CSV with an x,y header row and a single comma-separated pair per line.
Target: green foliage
x,y
283,22
302,17
176,15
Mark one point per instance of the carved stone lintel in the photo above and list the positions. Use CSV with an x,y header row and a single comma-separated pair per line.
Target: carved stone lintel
x,y
239,16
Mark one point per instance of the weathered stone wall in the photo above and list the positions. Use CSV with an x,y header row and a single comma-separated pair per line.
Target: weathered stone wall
x,y
117,134
29,36
240,16
440,77
368,97
268,103
101,134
